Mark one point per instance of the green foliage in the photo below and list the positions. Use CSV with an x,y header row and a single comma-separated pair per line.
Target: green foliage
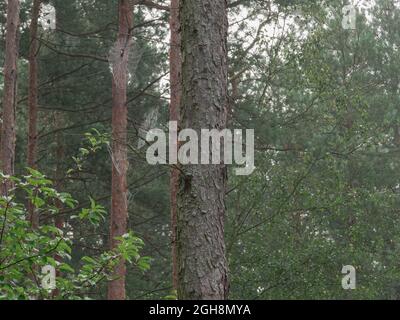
x,y
95,214
24,251
94,142
324,103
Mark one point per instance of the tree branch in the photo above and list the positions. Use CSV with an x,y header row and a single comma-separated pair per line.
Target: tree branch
x,y
150,4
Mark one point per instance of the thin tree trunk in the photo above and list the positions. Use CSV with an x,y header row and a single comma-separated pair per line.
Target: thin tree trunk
x,y
175,86
201,198
119,203
33,101
8,136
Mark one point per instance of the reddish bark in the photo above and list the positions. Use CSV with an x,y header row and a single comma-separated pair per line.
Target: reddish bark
x,y
175,86
119,203
7,149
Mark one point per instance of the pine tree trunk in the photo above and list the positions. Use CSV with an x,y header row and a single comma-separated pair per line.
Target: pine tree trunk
x,y
201,198
175,86
33,100
8,136
119,204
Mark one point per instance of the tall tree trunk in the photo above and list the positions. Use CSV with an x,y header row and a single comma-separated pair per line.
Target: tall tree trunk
x,y
8,135
176,90
201,198
33,100
119,202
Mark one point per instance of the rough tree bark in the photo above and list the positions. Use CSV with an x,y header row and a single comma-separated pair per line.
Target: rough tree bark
x,y
33,100
201,198
175,86
8,136
119,202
